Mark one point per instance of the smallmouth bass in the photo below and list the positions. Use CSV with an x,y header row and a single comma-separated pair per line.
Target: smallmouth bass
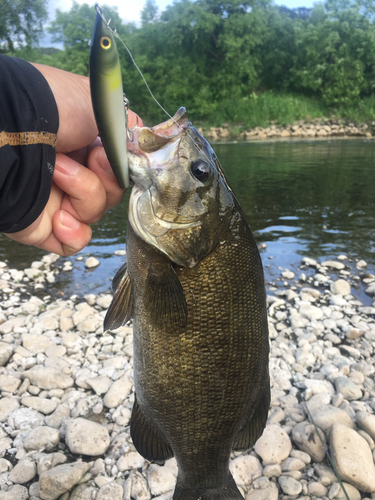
x,y
194,286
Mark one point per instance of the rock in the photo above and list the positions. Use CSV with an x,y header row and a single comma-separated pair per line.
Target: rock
x,y
316,489
59,416
340,287
330,415
23,472
100,384
139,488
9,383
91,262
274,445
245,469
289,275
131,460
25,418
42,438
160,479
269,493
351,492
347,388
6,351
50,461
290,486
60,479
43,405
310,312
366,422
306,438
119,390
7,406
361,264
291,464
110,491
352,457
18,492
82,492
48,378
333,264
86,437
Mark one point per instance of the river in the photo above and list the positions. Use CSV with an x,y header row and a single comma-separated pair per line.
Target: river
x,y
301,198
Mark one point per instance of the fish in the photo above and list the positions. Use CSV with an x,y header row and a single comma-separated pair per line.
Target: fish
x,y
108,99
194,286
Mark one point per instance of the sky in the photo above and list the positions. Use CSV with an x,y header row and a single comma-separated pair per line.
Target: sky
x,y
130,10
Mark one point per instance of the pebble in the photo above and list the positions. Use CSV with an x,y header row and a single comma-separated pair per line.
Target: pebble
x,y
58,369
91,262
340,287
86,437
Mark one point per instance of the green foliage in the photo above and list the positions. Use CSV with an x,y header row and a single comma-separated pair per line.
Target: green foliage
x,y
239,61
21,23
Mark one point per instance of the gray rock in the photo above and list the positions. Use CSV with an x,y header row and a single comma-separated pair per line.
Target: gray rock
x,y
23,472
83,492
160,479
25,418
48,378
269,493
290,486
48,462
43,405
110,491
130,460
316,489
86,437
59,416
119,390
6,351
330,415
18,492
139,488
245,469
60,479
42,438
274,445
352,457
366,422
347,388
100,384
306,438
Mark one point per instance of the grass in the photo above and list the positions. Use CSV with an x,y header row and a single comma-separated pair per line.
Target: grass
x,y
259,110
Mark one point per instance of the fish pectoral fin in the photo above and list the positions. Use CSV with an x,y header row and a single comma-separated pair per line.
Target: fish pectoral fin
x,y
164,297
120,310
147,440
251,432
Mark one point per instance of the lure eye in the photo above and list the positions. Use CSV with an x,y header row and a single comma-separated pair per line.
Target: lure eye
x,y
200,170
105,42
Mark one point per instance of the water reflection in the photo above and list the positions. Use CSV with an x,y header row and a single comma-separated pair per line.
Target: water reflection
x,y
314,199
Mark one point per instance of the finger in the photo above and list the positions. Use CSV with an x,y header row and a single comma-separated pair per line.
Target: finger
x,y
69,235
86,197
99,164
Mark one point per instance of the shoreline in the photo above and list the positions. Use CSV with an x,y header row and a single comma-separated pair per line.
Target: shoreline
x,y
63,381
311,130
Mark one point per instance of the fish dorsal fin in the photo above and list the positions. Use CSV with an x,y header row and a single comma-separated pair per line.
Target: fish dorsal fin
x,y
120,310
147,440
164,298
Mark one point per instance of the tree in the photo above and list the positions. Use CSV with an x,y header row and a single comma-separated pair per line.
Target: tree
x,y
21,22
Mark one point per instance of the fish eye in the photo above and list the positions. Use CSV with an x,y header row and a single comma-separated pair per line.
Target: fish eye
x,y
105,42
200,170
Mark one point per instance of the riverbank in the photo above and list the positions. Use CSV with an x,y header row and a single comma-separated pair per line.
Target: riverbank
x,y
67,392
315,129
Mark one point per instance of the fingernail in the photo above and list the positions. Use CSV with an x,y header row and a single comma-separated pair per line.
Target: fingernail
x,y
67,166
104,163
68,220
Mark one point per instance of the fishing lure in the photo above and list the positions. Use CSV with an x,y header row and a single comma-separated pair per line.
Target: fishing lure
x,y
110,106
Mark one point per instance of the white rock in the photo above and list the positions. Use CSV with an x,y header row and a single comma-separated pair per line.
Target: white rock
x,y
307,439
48,462
330,415
86,437
160,479
42,438
110,491
274,445
366,422
316,489
91,262
269,493
59,416
290,486
25,418
310,312
119,390
352,457
347,388
9,383
361,264
60,479
100,384
104,301
18,492
48,378
43,405
6,351
139,488
333,264
289,275
130,460
245,469
24,471
340,287
11,324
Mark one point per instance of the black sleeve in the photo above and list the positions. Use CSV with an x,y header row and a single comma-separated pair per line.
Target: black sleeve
x,y
28,126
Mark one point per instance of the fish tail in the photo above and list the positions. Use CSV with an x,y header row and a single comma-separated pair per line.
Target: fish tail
x,y
227,491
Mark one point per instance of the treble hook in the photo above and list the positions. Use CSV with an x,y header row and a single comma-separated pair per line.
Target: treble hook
x,y
129,131
101,13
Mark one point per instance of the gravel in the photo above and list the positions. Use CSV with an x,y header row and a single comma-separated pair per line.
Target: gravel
x,y
67,392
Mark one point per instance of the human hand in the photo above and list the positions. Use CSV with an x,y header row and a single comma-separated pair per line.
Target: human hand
x,y
79,195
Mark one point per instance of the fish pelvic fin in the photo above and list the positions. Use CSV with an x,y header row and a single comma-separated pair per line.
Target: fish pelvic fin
x,y
120,310
228,491
146,438
251,432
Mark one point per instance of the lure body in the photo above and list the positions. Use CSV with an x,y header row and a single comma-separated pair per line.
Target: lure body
x,y
107,98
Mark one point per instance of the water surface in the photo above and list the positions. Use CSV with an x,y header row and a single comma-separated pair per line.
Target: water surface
x,y
301,198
